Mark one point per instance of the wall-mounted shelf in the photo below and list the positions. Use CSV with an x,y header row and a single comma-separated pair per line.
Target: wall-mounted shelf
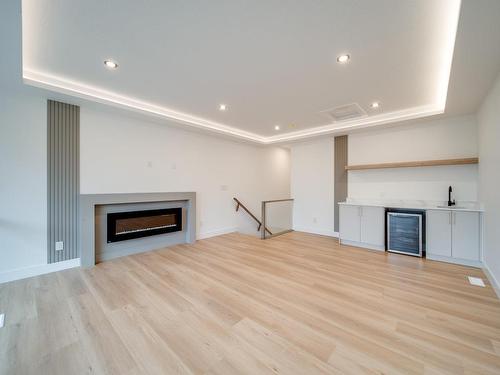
x,y
409,164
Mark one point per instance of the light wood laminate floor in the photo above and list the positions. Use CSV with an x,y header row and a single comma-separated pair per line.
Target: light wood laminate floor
x,y
294,304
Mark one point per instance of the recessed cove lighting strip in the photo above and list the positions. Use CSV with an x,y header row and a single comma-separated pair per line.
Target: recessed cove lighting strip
x,y
445,57
451,24
83,91
362,123
104,97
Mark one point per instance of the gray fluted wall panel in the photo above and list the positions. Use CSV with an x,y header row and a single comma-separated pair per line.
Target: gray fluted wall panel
x,y
340,175
63,179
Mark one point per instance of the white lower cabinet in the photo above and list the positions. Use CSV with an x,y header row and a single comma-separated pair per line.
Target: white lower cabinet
x,y
350,223
362,226
465,236
438,230
373,226
453,235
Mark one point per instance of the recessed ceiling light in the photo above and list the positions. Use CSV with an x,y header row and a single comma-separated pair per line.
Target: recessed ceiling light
x,y
342,59
110,64
277,127
222,107
375,105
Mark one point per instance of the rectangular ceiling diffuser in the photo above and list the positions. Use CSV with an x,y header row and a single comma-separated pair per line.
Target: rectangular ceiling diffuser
x,y
345,112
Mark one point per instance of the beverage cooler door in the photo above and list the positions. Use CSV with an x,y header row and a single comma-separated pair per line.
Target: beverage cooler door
x,y
404,233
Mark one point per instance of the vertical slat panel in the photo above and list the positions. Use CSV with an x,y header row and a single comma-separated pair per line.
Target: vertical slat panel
x,y
63,190
71,212
50,163
76,180
340,175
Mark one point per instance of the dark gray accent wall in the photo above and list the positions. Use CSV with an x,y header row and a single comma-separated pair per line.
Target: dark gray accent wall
x,y
63,179
340,175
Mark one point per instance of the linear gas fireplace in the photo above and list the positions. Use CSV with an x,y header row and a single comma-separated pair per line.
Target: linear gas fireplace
x,y
136,224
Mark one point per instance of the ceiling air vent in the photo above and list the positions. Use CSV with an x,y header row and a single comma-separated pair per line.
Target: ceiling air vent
x,y
345,112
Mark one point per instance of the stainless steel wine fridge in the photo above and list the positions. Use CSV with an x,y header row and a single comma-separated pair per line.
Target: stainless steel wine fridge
x,y
405,232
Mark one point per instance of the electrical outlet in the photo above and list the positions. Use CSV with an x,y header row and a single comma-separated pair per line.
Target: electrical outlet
x,y
59,246
223,187
150,164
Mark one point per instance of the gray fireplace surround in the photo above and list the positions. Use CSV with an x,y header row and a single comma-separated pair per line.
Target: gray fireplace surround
x,y
94,206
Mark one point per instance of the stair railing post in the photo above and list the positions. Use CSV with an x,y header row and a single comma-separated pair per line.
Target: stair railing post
x,y
263,227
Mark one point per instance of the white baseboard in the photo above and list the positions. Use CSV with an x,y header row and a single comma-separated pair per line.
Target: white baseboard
x,y
493,280
322,232
213,233
363,245
39,269
462,262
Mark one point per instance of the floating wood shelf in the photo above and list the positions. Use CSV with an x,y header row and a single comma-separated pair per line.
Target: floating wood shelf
x,y
409,164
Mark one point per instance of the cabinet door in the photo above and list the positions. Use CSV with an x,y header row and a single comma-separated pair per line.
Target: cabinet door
x,y
349,217
438,233
465,235
373,225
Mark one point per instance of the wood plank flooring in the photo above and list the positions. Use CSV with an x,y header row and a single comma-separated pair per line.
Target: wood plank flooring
x,y
233,304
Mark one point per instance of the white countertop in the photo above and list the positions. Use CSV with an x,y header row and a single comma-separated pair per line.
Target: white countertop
x,y
415,204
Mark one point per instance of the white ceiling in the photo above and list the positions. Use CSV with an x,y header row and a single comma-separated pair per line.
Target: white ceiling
x,y
476,61
271,62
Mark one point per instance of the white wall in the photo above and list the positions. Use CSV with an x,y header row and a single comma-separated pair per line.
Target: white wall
x,y
423,140
123,154
115,151
312,186
115,154
489,177
312,165
23,184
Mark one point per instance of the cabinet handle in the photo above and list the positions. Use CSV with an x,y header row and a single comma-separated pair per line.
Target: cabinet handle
x,y
449,218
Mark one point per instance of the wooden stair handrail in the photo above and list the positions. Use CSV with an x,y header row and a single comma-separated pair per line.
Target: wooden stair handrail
x,y
238,204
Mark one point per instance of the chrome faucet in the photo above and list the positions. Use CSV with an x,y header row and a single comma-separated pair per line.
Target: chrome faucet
x,y
450,202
